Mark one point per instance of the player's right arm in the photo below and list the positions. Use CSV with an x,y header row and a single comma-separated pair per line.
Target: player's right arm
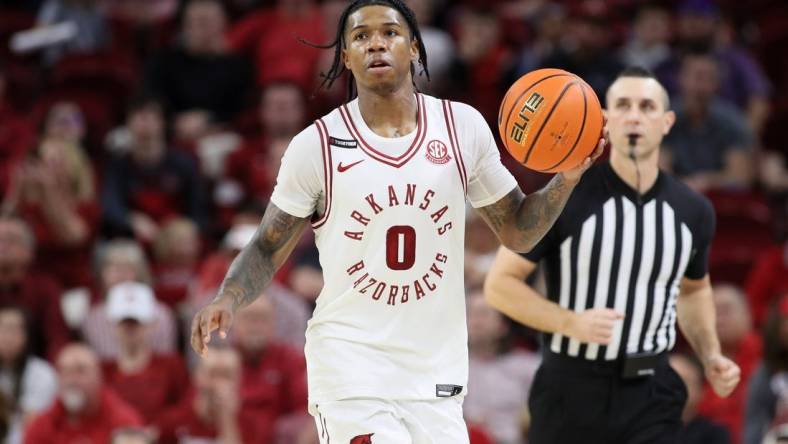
x,y
506,290
250,272
293,202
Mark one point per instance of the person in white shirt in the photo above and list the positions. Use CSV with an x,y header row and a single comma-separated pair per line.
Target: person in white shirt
x,y
383,180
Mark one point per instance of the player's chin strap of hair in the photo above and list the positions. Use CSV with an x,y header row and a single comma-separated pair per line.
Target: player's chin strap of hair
x,y
633,140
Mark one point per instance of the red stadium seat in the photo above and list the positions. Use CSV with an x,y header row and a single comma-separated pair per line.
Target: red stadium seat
x,y
744,228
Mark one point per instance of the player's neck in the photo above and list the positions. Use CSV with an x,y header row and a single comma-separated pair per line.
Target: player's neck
x,y
390,115
624,168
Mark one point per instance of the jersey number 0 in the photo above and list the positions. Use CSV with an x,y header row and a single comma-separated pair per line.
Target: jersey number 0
x,y
400,247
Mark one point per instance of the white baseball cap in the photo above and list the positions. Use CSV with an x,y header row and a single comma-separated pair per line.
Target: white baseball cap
x,y
131,300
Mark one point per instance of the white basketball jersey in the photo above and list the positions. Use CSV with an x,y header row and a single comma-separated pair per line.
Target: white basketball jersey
x,y
389,221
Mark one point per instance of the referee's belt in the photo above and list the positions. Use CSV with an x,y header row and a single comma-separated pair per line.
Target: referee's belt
x,y
626,367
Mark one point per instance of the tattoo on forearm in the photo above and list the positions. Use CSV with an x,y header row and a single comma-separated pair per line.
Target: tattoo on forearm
x,y
523,221
539,211
255,265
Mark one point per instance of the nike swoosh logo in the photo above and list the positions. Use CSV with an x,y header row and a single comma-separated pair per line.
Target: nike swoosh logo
x,y
342,168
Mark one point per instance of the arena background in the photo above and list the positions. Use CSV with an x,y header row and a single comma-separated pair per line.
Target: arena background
x,y
139,141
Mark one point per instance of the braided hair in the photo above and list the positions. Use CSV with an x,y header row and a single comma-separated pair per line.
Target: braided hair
x,y
339,43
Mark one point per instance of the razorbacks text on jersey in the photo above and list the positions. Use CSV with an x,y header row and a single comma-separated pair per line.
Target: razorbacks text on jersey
x,y
389,221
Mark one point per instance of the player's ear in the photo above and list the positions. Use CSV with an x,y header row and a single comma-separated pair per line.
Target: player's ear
x,y
414,50
345,60
668,120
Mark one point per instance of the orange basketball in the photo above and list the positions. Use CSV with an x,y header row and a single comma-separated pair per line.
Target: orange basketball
x,y
550,120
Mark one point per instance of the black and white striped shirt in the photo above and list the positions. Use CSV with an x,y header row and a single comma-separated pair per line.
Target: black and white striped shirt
x,y
609,250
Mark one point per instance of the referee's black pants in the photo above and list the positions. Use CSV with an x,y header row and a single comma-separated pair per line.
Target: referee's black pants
x,y
575,401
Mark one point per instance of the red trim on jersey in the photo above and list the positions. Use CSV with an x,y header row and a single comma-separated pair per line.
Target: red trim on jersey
x,y
328,170
421,132
448,114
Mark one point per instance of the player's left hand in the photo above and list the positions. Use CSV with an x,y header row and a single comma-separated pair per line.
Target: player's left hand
x,y
722,373
576,173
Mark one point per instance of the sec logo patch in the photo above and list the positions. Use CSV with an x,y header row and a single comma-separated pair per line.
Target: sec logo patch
x,y
437,152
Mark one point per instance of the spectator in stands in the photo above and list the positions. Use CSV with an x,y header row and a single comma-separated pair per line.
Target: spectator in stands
x,y
253,168
65,122
649,43
481,246
199,76
132,435
35,291
439,46
16,134
697,429
290,312
270,36
742,82
273,382
499,379
767,280
213,410
767,392
91,30
54,191
740,343
142,12
121,261
482,60
549,24
710,145
148,381
28,384
150,183
86,410
176,252
588,53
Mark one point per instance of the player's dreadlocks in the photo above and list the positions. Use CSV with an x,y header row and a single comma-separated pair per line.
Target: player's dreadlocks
x,y
338,68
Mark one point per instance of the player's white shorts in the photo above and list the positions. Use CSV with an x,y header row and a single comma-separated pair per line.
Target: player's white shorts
x,y
375,421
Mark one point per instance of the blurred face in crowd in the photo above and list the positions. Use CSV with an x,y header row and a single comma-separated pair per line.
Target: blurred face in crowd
x,y
379,49
146,125
652,26
479,33
253,326
218,371
178,243
733,315
698,77
80,378
16,251
282,110
693,379
13,334
65,122
204,23
486,326
121,266
637,106
131,437
132,335
697,28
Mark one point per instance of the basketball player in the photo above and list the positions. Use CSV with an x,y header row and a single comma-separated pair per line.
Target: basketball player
x,y
624,262
383,181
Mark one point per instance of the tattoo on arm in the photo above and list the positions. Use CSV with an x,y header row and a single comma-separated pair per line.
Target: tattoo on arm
x,y
255,265
520,221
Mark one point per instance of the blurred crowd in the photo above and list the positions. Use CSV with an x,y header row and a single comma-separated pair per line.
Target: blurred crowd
x,y
140,140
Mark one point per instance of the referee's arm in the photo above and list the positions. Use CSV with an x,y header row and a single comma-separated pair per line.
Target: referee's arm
x,y
697,321
505,289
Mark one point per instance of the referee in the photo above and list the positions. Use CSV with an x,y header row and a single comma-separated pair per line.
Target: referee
x,y
625,261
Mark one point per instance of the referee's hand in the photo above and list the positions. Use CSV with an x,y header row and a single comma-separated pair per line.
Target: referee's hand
x,y
722,373
593,326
